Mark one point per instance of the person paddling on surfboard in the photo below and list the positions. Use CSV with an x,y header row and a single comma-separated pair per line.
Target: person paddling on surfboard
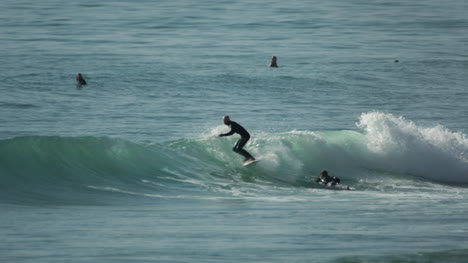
x,y
325,179
245,136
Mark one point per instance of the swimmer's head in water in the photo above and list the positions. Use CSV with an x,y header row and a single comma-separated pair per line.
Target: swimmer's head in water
x,y
80,79
324,173
273,62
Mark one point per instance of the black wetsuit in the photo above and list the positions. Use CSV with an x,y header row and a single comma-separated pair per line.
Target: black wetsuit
x,y
245,136
80,80
328,179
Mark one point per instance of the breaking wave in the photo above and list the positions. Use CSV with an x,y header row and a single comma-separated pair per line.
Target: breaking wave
x,y
50,169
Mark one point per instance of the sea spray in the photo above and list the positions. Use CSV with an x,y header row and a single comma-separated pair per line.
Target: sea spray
x,y
399,145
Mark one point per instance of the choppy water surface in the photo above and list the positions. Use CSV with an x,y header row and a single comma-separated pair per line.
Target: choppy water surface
x,y
128,167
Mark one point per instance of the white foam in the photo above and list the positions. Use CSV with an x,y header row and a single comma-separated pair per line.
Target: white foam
x,y
182,178
397,144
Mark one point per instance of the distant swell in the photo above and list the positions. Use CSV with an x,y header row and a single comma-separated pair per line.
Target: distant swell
x,y
76,169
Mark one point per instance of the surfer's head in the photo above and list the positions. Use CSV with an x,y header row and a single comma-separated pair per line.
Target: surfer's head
x,y
226,120
79,78
273,62
324,173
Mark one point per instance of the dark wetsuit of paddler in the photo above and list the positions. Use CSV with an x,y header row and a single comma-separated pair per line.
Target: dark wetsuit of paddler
x,y
245,136
324,178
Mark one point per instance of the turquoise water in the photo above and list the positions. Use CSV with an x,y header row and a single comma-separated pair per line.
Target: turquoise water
x,y
128,167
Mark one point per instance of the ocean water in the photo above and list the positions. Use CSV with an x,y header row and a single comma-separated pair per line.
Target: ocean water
x,y
128,167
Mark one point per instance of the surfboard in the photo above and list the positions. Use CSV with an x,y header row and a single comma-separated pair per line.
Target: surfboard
x,y
249,162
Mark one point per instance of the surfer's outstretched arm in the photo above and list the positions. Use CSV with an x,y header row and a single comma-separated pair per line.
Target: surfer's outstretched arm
x,y
226,134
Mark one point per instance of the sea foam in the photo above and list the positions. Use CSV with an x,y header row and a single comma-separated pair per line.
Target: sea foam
x,y
400,145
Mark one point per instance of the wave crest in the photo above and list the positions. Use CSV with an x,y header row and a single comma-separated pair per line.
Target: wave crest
x,y
73,169
402,146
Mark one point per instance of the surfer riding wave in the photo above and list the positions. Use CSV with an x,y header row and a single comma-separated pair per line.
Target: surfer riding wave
x,y
245,136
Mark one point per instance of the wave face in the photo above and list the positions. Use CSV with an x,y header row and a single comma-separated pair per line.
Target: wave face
x,y
75,169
